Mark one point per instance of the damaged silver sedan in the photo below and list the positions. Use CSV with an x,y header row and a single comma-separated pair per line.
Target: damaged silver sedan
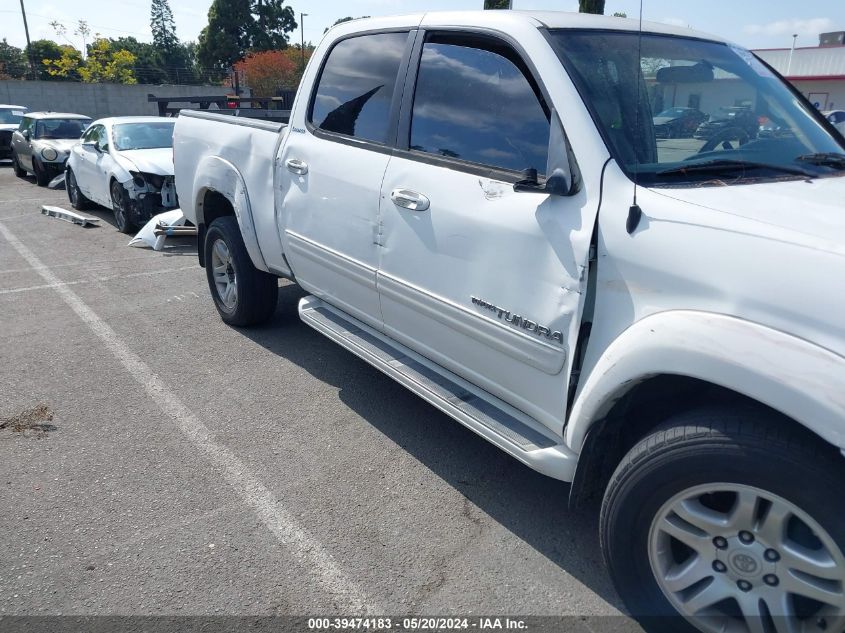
x,y
126,165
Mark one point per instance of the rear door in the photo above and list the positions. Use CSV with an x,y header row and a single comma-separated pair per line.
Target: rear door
x,y
473,275
331,167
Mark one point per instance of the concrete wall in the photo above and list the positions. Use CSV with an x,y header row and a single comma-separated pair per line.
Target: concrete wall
x,y
95,100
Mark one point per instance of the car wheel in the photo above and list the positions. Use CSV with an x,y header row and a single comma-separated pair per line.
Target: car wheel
x,y
243,294
120,207
77,200
728,521
42,176
20,172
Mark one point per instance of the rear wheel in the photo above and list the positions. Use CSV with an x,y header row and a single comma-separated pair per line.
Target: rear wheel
x,y
243,294
77,200
120,207
731,521
20,172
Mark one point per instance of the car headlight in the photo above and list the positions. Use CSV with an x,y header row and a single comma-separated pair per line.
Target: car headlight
x,y
48,153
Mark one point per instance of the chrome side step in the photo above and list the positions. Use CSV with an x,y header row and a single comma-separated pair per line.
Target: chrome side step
x,y
490,417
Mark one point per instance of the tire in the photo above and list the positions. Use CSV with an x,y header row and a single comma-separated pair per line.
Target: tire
x,y
42,176
700,466
120,207
20,172
243,294
77,200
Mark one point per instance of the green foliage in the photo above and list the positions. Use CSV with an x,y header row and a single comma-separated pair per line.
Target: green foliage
x,y
496,4
163,26
41,52
238,27
591,6
65,67
13,64
105,64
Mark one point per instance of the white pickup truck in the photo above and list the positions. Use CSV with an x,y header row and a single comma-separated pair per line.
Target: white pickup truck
x,y
479,206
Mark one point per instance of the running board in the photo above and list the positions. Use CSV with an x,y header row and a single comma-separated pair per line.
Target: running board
x,y
512,431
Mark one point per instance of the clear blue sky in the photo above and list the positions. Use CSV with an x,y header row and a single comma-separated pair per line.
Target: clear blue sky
x,y
752,23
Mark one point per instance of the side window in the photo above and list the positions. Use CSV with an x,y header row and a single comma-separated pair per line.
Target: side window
x,y
355,89
26,124
473,101
91,134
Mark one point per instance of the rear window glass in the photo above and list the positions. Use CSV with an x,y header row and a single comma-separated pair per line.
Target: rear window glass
x,y
356,86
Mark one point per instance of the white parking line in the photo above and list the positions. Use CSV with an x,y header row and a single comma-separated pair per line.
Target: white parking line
x,y
148,273
308,551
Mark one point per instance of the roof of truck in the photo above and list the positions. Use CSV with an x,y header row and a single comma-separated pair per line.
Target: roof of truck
x,y
539,19
7,106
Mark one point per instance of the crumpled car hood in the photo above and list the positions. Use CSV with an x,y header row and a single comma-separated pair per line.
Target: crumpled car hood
x,y
804,212
148,161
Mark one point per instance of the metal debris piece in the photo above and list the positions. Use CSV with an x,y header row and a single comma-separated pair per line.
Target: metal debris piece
x,y
154,232
58,182
69,216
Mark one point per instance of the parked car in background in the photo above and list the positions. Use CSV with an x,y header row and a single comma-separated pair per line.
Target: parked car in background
x,y
10,119
125,164
837,117
729,124
42,143
678,122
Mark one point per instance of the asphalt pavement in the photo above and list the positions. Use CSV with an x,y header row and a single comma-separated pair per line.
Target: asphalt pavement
x,y
154,461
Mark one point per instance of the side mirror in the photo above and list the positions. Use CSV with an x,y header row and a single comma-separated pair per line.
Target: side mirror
x,y
25,134
563,178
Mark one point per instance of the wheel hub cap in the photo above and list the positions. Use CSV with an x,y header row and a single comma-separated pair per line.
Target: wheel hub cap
x,y
223,271
737,559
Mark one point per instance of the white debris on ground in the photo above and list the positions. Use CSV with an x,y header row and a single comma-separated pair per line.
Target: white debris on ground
x,y
58,182
147,235
68,216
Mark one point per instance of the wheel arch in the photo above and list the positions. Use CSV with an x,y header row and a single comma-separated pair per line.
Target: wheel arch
x,y
674,361
219,189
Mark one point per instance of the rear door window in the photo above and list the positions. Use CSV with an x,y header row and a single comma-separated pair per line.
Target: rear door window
x,y
355,90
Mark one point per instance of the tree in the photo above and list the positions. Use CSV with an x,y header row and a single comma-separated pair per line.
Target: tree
x,y
42,52
267,72
163,26
591,6
271,25
13,63
238,27
496,4
67,66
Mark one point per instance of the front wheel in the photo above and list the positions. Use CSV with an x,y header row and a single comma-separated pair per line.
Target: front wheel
x,y
730,522
243,294
42,176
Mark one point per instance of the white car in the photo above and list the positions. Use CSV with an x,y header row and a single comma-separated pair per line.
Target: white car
x,y
10,119
126,165
837,118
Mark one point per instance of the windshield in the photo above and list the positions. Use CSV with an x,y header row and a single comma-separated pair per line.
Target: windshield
x,y
60,128
11,116
744,114
143,135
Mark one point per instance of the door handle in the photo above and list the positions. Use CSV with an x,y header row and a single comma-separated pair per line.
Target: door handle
x,y
408,199
297,166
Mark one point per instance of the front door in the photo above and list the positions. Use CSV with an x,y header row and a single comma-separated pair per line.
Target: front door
x,y
474,275
85,162
331,167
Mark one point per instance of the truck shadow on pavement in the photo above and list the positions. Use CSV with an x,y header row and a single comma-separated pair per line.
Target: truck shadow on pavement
x,y
532,506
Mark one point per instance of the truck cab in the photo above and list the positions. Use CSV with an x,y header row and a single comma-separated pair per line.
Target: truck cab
x,y
479,206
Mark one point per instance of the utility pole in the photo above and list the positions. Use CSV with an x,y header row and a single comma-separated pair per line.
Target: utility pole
x,y
791,52
302,17
28,43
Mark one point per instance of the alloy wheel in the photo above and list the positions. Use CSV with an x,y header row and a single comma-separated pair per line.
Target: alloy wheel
x,y
225,279
737,559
